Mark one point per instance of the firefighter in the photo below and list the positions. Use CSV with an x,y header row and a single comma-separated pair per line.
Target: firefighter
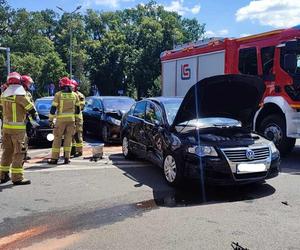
x,y
66,109
15,106
77,147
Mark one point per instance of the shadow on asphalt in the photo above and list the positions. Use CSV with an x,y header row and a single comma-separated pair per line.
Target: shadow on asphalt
x,y
291,163
190,194
5,186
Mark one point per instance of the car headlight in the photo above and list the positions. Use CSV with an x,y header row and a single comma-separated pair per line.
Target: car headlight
x,y
203,151
274,150
114,121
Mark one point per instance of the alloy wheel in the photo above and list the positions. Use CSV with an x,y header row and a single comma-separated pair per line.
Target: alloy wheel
x,y
125,146
170,168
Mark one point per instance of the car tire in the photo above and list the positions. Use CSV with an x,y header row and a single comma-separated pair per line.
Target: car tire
x,y
273,127
127,153
105,134
172,170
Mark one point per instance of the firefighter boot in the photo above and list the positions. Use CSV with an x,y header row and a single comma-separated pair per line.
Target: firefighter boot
x,y
67,161
73,151
5,178
22,182
52,161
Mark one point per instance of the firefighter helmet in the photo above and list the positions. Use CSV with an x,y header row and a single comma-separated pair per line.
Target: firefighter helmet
x,y
26,81
64,82
13,78
75,84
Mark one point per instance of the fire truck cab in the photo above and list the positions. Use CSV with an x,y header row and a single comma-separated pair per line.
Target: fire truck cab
x,y
274,56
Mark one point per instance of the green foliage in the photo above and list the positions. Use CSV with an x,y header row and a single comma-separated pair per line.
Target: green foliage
x,y
53,69
114,50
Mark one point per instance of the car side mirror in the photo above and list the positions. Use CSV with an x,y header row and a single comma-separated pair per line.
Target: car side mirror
x,y
290,62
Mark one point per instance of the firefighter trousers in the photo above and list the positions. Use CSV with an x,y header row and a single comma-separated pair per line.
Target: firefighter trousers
x,y
62,130
14,150
78,142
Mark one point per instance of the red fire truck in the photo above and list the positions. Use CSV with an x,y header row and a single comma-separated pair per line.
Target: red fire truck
x,y
274,56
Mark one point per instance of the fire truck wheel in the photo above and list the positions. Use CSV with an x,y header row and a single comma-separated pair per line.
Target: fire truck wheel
x,y
273,127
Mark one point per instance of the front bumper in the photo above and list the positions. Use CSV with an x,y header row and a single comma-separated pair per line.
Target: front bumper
x,y
114,132
39,134
216,171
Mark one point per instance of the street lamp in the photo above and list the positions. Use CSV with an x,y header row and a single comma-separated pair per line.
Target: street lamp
x,y
8,58
77,8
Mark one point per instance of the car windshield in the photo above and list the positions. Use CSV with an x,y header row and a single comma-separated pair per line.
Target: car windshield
x,y
212,122
171,108
114,104
43,106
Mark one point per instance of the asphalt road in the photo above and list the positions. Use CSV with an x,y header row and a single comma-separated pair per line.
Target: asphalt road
x,y
119,204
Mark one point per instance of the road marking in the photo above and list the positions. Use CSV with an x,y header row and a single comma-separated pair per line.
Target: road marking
x,y
17,237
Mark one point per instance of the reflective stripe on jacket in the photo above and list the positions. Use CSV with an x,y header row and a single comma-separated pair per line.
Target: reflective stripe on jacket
x,y
65,104
15,109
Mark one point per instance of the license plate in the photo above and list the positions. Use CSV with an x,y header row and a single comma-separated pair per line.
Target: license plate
x,y
251,168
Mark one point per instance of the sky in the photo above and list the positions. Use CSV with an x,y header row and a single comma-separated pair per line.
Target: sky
x,y
223,18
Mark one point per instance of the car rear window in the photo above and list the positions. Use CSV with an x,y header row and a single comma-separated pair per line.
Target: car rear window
x,y
115,104
43,106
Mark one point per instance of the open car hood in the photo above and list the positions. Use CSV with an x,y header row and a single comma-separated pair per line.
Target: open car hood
x,y
232,96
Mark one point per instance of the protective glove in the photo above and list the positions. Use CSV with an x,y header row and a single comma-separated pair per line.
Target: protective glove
x,y
34,124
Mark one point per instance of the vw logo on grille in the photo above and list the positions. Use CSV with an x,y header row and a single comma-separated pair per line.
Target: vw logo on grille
x,y
250,154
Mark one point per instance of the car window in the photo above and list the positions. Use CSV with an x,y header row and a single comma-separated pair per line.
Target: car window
x,y
171,108
152,114
139,110
43,106
248,61
267,58
97,104
114,104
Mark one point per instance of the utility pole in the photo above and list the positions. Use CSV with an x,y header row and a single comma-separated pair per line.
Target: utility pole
x,y
71,35
7,58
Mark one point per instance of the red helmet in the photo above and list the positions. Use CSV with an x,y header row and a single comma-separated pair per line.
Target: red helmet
x,y
13,78
75,84
65,81
26,81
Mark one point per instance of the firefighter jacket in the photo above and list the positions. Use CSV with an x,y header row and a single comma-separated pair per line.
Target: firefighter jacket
x,y
66,108
81,99
15,105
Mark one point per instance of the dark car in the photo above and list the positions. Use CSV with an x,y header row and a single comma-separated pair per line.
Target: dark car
x,y
102,115
40,133
202,135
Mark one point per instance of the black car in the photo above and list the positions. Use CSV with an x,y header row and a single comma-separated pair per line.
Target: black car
x,y
202,136
102,115
40,133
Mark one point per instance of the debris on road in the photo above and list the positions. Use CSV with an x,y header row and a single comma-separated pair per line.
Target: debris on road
x,y
236,246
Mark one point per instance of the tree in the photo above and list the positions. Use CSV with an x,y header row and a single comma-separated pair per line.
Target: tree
x,y
53,69
113,49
